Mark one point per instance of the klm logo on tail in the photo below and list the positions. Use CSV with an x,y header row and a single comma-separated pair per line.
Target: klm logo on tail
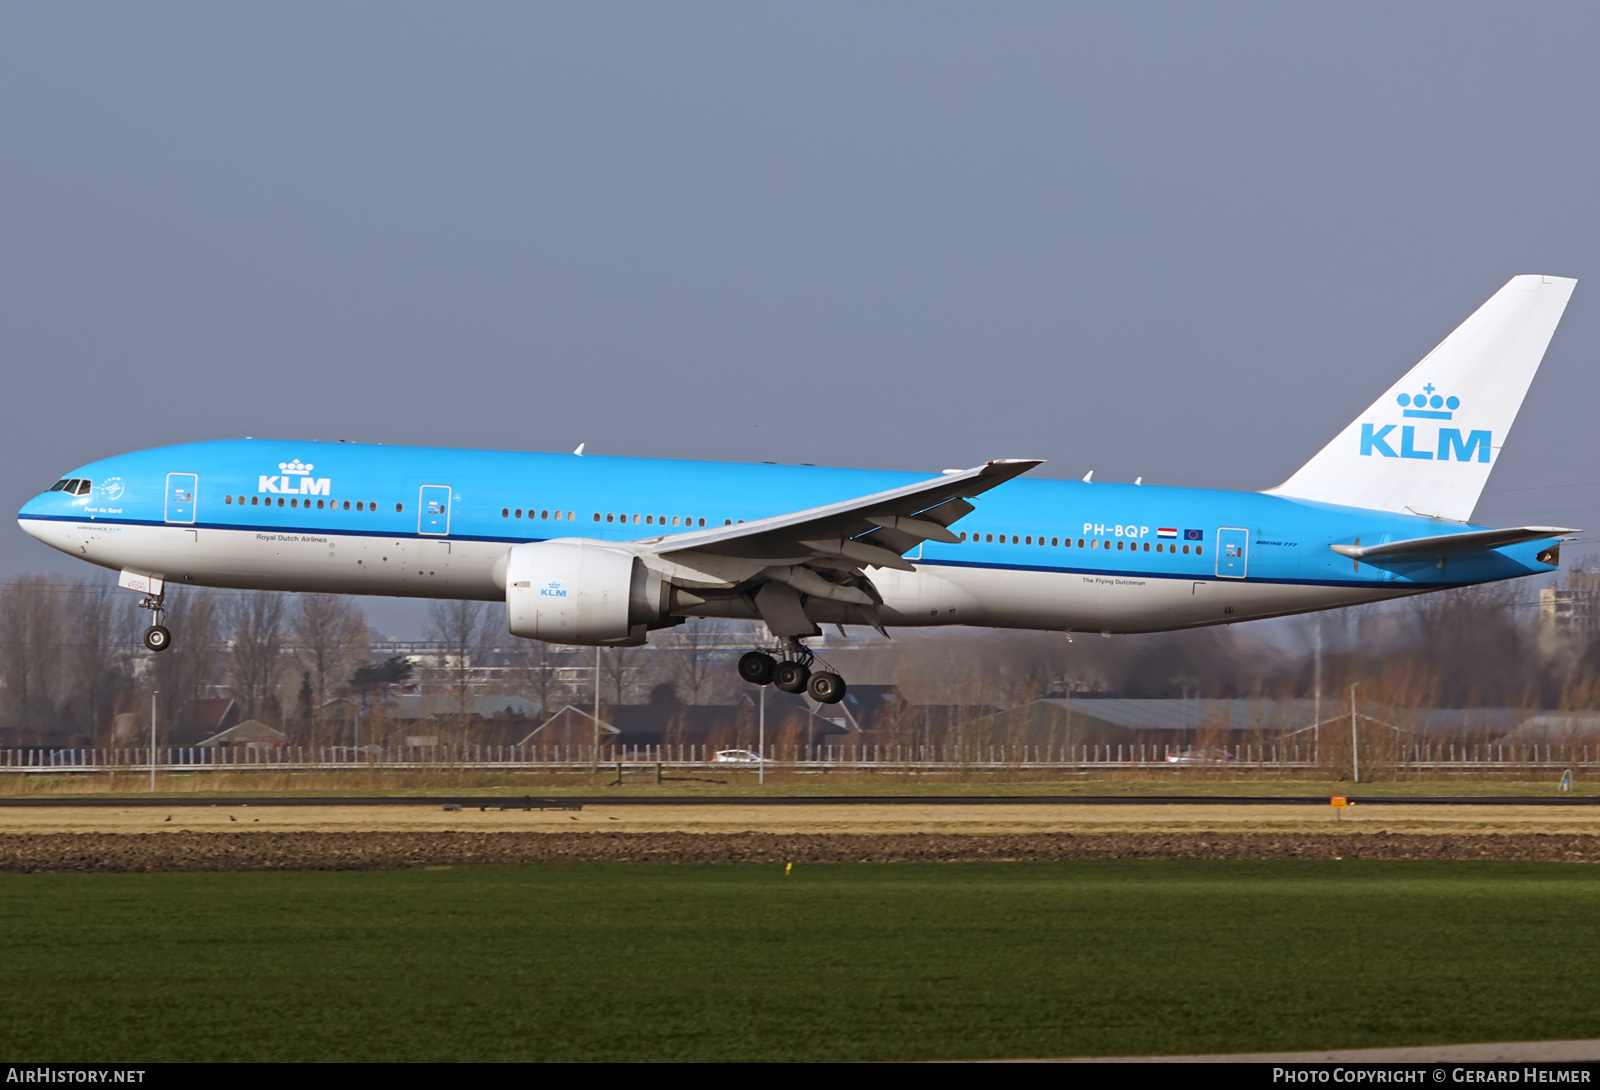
x,y
1449,444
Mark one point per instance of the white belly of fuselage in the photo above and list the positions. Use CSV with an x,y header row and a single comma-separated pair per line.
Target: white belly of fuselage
x,y
262,560
932,595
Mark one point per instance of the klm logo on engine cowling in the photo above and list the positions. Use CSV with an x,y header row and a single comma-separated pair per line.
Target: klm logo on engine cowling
x,y
296,480
553,590
1447,445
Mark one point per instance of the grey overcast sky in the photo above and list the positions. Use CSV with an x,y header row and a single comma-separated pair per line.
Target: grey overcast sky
x,y
1183,241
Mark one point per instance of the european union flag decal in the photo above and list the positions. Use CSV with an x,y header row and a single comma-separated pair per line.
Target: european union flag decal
x,y
1194,535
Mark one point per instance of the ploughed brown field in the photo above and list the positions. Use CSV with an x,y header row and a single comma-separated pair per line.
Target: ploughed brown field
x,y
229,836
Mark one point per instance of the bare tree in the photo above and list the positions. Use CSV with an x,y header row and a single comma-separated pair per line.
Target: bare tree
x,y
330,640
97,665
467,629
255,621
620,671
30,649
188,670
539,665
699,668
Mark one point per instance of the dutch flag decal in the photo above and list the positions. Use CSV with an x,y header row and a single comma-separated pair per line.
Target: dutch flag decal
x,y
1167,531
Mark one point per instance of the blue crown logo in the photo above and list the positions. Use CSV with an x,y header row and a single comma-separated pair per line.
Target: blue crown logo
x,y
1428,404
300,468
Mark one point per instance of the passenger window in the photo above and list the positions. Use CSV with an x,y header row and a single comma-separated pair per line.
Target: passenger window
x,y
399,507
1199,550
1119,546
1186,550
1030,539
1146,546
227,499
649,520
505,512
1053,542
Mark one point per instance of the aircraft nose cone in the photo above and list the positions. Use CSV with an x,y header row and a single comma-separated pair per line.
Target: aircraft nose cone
x,y
35,507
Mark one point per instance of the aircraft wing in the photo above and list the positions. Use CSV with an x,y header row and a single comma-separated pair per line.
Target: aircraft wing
x,y
873,530
823,552
1441,544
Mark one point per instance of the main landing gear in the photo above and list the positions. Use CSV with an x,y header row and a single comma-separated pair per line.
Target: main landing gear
x,y
156,637
792,674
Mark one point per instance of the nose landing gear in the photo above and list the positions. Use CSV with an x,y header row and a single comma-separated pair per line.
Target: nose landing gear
x,y
793,674
156,637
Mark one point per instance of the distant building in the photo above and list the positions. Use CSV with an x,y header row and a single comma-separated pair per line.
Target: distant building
x,y
251,734
789,722
1573,609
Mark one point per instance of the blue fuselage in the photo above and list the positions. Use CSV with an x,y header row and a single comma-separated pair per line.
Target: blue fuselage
x,y
277,493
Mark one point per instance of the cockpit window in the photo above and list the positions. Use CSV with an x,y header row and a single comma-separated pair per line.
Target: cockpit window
x,y
82,487
60,486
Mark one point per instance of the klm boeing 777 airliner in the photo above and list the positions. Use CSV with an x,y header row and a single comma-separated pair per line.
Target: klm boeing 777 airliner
x,y
601,551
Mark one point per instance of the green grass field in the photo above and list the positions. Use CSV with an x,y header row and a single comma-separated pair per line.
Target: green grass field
x,y
841,962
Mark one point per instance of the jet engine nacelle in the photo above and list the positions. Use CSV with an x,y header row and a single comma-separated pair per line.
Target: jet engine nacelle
x,y
582,592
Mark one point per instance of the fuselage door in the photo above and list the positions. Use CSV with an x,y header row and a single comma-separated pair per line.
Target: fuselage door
x,y
181,489
1233,552
433,510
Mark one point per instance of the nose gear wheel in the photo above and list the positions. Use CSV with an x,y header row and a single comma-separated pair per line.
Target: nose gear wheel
x,y
156,637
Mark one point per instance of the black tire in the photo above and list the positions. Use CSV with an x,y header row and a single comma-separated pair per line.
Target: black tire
x,y
756,668
791,677
157,638
826,688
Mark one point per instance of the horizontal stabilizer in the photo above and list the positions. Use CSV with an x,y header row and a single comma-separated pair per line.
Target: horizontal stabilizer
x,y
1440,544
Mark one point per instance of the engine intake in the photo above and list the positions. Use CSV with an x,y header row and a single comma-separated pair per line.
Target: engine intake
x,y
582,592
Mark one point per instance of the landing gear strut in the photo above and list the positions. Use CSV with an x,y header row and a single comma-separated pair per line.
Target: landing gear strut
x,y
793,674
156,637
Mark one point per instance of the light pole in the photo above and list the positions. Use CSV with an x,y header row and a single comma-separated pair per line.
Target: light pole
x,y
761,739
153,694
1355,748
597,708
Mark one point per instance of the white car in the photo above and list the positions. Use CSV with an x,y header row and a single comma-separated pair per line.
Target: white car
x,y
738,757
1200,757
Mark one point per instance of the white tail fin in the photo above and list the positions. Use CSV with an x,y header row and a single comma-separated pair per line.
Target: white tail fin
x,y
1427,445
